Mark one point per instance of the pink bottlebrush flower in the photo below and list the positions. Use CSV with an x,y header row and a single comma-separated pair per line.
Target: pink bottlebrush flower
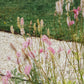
x,y
8,74
75,11
59,50
22,21
68,51
71,23
18,54
52,50
59,8
46,40
41,50
27,69
5,80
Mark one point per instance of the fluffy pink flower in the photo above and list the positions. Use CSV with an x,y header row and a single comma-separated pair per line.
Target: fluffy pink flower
x,y
5,80
8,74
27,69
22,21
75,11
18,54
46,40
41,50
71,23
68,51
52,50
59,50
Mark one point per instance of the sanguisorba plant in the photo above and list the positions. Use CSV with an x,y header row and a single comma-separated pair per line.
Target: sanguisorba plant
x,y
43,65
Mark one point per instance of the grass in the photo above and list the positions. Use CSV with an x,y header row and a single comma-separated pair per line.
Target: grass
x,y
33,10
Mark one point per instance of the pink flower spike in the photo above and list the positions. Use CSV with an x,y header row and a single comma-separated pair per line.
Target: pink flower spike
x,y
75,11
41,50
27,69
18,54
46,40
5,80
44,37
22,21
8,74
52,50
68,51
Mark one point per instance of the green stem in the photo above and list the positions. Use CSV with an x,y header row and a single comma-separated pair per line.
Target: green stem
x,y
17,78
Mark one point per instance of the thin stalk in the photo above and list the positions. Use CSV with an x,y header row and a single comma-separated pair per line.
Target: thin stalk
x,y
17,78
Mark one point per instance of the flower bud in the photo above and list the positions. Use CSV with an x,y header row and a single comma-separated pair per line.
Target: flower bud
x,y
67,7
34,26
18,22
41,22
39,28
11,29
59,8
48,32
22,21
38,21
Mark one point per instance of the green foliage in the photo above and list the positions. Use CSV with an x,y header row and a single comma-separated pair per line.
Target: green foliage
x,y
17,77
35,75
32,10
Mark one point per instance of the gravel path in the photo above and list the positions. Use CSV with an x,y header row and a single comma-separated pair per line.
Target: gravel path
x,y
6,51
